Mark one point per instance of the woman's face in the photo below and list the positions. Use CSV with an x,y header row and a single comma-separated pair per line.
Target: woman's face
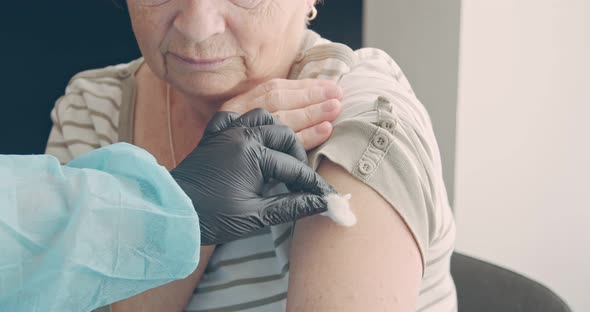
x,y
218,48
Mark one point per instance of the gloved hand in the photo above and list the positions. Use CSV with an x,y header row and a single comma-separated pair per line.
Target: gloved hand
x,y
225,176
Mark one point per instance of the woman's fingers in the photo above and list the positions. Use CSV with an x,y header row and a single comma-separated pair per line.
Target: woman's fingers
x,y
303,118
285,84
314,136
282,94
293,99
306,106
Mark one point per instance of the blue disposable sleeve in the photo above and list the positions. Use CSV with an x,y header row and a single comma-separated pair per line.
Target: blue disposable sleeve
x,y
108,225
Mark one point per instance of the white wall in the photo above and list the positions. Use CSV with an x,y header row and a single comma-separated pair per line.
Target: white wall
x,y
423,38
523,144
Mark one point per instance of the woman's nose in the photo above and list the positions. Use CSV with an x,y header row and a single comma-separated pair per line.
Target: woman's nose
x,y
199,20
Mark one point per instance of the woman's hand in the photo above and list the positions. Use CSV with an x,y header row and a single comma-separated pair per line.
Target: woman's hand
x,y
226,173
306,106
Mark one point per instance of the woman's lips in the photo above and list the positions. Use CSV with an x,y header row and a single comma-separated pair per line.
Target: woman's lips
x,y
199,64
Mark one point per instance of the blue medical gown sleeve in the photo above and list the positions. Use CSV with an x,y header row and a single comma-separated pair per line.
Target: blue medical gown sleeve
x,y
104,227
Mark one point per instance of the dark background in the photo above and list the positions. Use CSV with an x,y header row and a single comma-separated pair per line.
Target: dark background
x,y
44,43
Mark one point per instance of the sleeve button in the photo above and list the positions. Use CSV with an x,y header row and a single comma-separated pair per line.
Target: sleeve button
x,y
387,125
366,167
123,73
381,141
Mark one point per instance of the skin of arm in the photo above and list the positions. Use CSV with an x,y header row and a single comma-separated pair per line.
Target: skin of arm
x,y
170,297
373,266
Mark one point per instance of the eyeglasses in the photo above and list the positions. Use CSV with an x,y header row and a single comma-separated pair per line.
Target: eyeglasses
x,y
151,2
247,4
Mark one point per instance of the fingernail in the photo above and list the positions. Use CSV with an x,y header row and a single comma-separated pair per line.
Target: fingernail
x,y
324,127
333,92
328,106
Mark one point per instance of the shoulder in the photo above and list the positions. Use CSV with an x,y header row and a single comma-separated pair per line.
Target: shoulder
x,y
344,60
100,83
87,114
377,96
97,89
365,75
319,53
98,86
384,136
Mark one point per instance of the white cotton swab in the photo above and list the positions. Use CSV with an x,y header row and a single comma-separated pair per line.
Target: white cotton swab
x,y
339,209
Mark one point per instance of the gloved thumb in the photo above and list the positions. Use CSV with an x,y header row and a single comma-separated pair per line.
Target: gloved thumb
x,y
290,207
298,176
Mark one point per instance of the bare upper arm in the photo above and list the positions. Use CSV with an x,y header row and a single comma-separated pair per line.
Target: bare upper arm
x,y
170,297
373,266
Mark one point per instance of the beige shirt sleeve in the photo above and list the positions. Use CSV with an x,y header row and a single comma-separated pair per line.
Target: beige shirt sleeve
x,y
384,138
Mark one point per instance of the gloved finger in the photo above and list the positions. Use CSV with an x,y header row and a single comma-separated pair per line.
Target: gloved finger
x,y
298,176
220,121
256,117
285,208
282,139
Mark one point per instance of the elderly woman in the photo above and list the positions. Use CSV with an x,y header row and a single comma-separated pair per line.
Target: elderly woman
x,y
355,112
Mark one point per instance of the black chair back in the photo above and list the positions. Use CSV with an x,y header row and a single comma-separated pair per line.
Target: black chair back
x,y
484,287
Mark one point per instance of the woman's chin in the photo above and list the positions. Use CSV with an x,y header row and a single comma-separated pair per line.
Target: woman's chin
x,y
211,86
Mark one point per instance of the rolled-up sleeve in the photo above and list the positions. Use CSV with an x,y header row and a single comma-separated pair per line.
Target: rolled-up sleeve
x,y
385,139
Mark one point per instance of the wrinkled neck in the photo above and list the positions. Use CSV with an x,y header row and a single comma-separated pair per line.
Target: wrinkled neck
x,y
200,109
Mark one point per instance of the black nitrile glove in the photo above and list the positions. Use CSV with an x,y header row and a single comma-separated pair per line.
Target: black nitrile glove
x,y
225,176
